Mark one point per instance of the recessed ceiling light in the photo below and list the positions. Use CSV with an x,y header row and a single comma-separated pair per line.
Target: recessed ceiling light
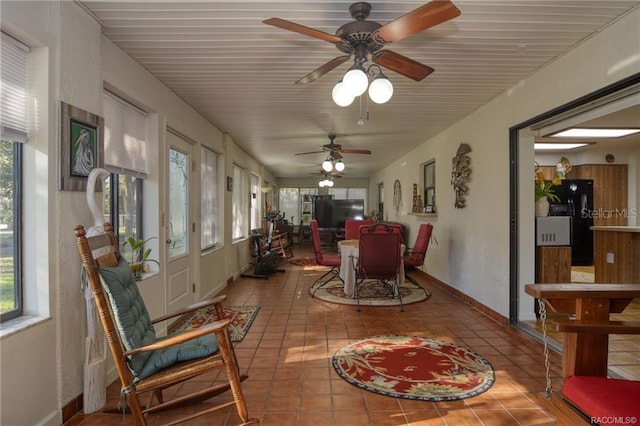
x,y
557,146
594,133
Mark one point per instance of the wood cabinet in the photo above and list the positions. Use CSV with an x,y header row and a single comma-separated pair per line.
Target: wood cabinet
x,y
610,190
617,254
553,264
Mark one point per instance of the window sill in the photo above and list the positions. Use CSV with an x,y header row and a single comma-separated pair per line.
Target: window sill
x,y
424,214
18,324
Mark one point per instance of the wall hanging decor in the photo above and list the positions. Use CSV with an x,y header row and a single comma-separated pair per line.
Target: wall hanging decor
x,y
460,174
82,147
397,197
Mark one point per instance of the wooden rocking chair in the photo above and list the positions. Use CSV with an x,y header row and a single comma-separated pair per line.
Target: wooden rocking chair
x,y
147,364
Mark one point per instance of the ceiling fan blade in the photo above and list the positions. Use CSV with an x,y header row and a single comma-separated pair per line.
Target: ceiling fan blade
x,y
418,20
335,174
356,151
314,75
311,152
301,29
401,64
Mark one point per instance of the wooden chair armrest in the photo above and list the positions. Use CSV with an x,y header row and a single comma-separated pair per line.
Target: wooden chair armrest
x,y
596,327
191,308
176,339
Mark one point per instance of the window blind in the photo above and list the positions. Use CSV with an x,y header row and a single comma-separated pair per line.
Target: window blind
x,y
125,130
13,90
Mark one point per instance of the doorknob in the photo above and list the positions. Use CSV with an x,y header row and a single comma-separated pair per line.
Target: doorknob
x,y
169,241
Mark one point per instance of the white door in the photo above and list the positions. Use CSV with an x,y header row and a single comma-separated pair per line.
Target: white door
x,y
179,225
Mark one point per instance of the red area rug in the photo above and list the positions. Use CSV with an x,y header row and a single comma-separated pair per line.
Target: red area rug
x,y
241,319
414,368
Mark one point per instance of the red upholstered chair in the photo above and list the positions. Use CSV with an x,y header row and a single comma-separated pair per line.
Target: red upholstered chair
x,y
332,260
379,258
416,254
352,227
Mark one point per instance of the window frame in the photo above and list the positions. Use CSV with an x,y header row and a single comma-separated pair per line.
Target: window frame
x,y
429,186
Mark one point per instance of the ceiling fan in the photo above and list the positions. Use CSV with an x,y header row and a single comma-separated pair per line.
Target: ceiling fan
x,y
327,175
336,150
363,37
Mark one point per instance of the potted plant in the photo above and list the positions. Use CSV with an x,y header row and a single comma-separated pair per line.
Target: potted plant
x,y
544,193
139,255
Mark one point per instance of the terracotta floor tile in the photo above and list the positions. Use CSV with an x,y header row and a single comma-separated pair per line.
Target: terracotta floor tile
x,y
287,354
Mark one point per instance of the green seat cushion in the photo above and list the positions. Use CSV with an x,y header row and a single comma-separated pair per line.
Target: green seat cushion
x,y
135,327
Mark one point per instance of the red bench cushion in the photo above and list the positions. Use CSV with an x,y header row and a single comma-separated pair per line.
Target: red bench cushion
x,y
603,398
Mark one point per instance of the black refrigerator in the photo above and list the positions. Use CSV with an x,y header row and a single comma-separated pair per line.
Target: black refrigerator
x,y
576,200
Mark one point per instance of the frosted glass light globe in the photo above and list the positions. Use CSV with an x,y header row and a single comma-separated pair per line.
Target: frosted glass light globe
x,y
341,95
380,90
339,165
327,165
356,81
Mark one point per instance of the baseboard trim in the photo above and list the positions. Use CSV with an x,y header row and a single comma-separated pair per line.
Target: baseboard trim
x,y
72,408
465,298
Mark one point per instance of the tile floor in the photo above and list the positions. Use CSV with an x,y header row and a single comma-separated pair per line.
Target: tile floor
x,y
287,355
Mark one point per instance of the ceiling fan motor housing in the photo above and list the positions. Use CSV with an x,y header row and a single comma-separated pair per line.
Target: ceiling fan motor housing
x,y
358,32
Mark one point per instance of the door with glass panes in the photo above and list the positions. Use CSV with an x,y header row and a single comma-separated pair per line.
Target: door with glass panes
x,y
180,224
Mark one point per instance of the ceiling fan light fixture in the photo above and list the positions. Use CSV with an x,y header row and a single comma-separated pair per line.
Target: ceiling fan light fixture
x,y
341,95
339,166
356,81
381,89
327,165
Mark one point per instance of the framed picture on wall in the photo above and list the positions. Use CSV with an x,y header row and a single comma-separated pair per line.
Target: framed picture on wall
x,y
81,147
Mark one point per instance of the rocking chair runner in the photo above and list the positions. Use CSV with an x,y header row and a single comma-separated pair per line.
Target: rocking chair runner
x,y
147,363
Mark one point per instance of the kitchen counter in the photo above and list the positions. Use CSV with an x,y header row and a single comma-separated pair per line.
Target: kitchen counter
x,y
617,254
616,228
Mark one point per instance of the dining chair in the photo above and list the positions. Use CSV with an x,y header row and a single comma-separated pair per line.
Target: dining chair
x,y
379,258
352,227
415,255
331,260
146,363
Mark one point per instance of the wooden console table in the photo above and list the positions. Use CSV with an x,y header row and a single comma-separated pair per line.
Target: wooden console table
x,y
585,352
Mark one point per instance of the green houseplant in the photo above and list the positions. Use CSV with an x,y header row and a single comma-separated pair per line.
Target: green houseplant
x,y
139,254
544,188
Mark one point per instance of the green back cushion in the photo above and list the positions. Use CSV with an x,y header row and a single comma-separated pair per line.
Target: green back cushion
x,y
135,327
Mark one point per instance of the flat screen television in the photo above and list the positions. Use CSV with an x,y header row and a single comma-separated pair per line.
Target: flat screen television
x,y
333,213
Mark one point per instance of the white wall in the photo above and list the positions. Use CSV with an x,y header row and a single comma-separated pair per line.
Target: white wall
x,y
473,251
44,363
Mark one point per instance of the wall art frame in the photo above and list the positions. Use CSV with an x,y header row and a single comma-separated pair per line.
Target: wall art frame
x,y
81,146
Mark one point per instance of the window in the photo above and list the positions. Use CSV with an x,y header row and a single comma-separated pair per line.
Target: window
x,y
290,203
124,146
13,131
210,208
239,203
430,185
350,194
255,202
380,201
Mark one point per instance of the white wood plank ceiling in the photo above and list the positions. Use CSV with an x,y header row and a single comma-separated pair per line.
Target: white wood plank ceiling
x,y
239,73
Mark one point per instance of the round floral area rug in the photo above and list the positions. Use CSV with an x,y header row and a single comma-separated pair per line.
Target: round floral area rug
x,y
372,293
409,367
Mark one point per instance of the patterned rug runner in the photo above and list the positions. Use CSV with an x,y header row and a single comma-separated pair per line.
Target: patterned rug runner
x,y
372,293
418,368
241,319
302,261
